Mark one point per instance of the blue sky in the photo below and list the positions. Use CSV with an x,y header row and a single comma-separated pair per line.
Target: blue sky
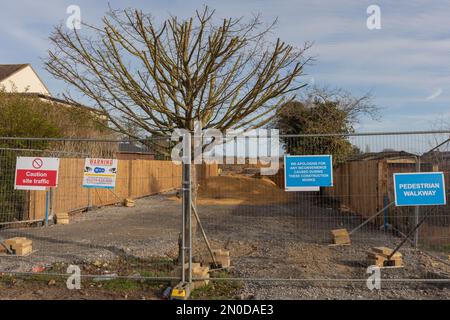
x,y
405,64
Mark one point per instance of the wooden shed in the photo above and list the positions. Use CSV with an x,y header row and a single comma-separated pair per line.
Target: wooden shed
x,y
364,184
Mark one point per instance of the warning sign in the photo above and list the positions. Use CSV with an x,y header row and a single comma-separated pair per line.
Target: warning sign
x,y
100,173
35,173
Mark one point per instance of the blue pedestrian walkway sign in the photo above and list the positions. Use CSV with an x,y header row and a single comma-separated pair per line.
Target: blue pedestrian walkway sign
x,y
419,189
308,173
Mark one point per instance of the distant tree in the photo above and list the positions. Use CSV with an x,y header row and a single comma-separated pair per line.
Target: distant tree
x,y
323,112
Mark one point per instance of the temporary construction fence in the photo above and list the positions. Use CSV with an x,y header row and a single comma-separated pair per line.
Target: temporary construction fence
x,y
373,173
269,233
273,234
135,179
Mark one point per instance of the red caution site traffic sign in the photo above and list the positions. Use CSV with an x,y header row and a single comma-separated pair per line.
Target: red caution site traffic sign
x,y
36,173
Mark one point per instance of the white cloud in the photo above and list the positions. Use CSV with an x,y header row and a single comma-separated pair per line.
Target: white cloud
x,y
435,94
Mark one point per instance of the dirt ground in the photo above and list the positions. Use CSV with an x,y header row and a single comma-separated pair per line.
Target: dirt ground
x,y
269,235
54,288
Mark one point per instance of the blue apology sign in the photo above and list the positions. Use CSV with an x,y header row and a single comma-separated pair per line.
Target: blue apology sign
x,y
308,173
419,189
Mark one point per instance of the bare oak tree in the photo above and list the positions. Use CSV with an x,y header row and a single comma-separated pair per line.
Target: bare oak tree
x,y
150,79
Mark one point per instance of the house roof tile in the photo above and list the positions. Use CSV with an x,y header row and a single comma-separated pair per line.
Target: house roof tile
x,y
6,70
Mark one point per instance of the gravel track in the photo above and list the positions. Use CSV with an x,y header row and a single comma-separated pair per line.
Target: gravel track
x,y
277,240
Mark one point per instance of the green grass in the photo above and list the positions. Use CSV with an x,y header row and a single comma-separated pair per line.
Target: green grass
x,y
218,289
22,280
7,280
125,285
155,274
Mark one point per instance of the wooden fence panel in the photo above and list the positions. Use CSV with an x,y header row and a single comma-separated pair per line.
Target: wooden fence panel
x,y
135,179
356,186
70,195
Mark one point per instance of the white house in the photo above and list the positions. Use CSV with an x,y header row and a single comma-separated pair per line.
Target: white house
x,y
21,78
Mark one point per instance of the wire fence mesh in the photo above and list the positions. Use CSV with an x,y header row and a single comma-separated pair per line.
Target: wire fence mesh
x,y
103,235
270,234
277,235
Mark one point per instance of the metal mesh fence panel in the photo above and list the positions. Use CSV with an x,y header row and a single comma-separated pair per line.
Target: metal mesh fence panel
x,y
107,234
272,235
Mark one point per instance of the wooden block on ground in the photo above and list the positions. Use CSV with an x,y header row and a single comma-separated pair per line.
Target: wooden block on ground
x,y
62,221
379,257
397,262
394,262
341,240
397,255
375,258
340,236
197,272
19,245
196,268
222,258
201,283
385,251
14,241
24,243
339,232
22,251
200,272
382,250
129,202
62,218
222,252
